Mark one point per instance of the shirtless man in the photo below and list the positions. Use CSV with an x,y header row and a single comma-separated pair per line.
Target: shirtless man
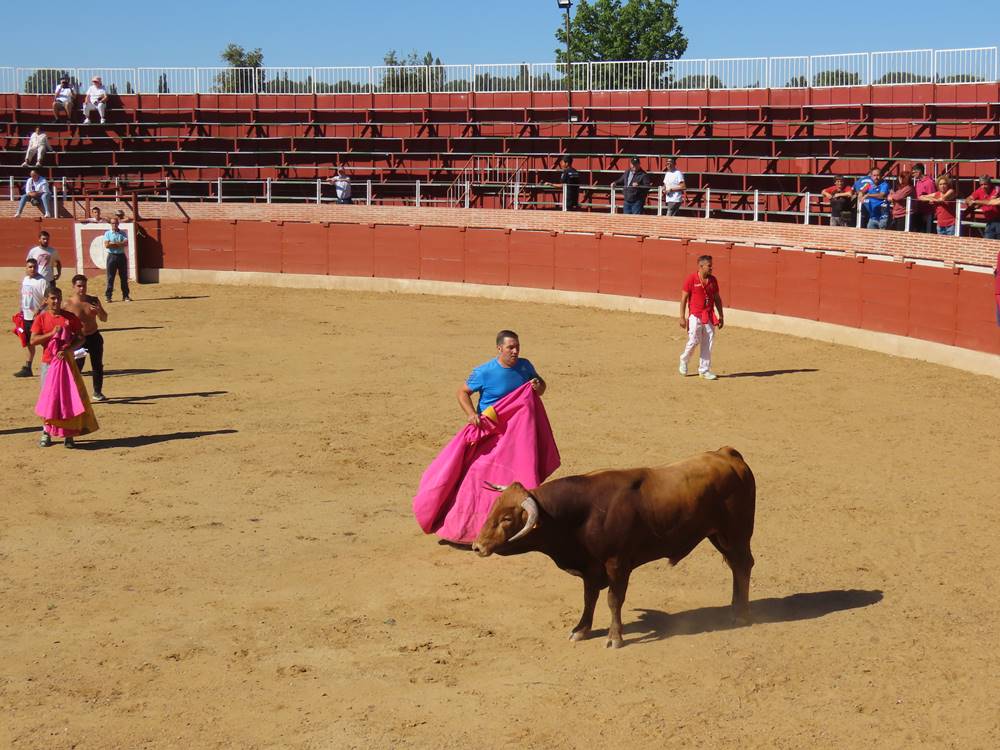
x,y
89,310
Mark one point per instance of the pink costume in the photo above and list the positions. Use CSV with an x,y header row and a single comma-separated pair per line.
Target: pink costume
x,y
64,404
518,446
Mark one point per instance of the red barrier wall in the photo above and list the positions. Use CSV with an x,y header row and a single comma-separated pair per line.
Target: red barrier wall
x,y
945,305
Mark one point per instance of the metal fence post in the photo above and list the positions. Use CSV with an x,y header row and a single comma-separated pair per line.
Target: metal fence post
x,y
268,189
10,186
517,195
168,189
55,200
368,190
612,199
756,205
319,191
958,218
564,194
418,194
218,190
857,224
808,201
708,203
659,201
468,193
909,207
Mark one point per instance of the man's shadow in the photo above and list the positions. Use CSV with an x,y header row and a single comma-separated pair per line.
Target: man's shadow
x,y
767,373
138,441
654,625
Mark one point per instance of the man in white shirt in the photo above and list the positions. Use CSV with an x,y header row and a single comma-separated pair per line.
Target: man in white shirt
x,y
36,190
95,98
673,187
47,258
65,97
32,302
38,146
342,186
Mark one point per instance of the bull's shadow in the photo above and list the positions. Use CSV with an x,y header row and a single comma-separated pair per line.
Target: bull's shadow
x,y
654,625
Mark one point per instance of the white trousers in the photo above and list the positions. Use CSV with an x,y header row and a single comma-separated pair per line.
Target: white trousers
x,y
36,155
703,333
89,106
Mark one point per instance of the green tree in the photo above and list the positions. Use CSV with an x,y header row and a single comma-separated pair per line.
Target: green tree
x,y
836,77
44,81
240,81
697,82
902,76
617,30
413,73
961,78
797,82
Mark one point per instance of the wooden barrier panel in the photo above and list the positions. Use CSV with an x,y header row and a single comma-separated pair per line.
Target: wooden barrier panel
x,y
211,245
885,296
976,325
576,262
396,252
840,291
932,304
620,265
532,256
487,256
664,264
258,246
174,244
754,278
442,253
304,248
18,236
351,250
797,284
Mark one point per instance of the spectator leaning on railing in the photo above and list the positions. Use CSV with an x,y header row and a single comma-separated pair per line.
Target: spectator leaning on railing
x,y
986,198
570,177
841,199
673,187
873,189
38,146
36,190
944,203
341,186
898,199
64,99
635,184
923,212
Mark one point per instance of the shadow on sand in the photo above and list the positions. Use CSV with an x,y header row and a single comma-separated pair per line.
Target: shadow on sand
x,y
654,625
766,373
158,396
139,371
138,441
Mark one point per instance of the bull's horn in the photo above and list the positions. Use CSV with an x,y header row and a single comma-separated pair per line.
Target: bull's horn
x,y
495,487
530,505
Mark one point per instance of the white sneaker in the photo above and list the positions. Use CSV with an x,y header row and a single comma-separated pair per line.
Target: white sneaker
x,y
683,369
709,375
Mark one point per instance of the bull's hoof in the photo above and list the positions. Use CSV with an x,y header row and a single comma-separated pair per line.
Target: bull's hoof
x,y
614,643
579,635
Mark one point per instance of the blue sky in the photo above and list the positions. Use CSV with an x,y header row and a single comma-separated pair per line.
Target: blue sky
x,y
347,32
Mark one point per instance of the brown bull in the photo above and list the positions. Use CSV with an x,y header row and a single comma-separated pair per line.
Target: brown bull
x,y
601,526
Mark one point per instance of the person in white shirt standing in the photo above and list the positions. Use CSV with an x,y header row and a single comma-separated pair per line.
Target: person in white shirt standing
x,y
673,186
38,146
65,98
342,185
36,190
32,302
47,258
95,98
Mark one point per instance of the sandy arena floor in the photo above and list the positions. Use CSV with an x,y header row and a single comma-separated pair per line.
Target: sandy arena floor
x,y
231,562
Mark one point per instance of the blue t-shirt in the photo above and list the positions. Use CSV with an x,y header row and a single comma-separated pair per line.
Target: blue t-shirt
x,y
492,381
113,236
874,205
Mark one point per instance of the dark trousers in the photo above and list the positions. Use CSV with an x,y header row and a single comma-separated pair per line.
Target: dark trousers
x,y
923,223
94,344
992,230
117,263
632,207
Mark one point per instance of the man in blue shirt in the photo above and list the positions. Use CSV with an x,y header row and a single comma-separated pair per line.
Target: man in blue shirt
x,y
116,243
495,379
873,189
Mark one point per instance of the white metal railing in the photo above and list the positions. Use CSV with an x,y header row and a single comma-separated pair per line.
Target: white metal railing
x,y
971,65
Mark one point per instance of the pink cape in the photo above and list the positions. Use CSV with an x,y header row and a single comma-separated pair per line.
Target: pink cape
x,y
451,500
63,403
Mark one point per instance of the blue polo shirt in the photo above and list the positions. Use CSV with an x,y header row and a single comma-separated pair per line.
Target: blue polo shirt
x,y
492,381
874,205
113,236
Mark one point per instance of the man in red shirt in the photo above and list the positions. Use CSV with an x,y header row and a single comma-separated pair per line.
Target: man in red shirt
x,y
47,325
986,197
698,305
